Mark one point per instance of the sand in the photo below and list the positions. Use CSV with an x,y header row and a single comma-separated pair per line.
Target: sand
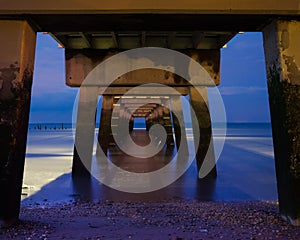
x,y
172,219
232,207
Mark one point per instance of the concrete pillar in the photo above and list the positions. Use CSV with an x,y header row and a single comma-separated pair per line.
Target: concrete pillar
x,y
105,133
17,50
131,124
149,120
115,120
127,117
154,120
177,117
85,130
167,122
199,103
123,115
282,54
160,115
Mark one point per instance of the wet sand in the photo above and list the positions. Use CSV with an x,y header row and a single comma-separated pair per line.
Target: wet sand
x,y
245,172
240,204
156,220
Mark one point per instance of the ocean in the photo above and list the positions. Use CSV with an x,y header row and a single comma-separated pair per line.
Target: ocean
x,y
245,168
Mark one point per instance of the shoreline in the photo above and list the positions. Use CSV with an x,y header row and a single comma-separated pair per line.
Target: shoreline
x,y
172,219
230,207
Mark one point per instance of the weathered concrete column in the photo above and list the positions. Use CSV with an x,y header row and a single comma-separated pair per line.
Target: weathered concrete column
x,y
160,115
154,120
177,117
125,120
131,124
128,117
85,129
17,50
149,120
167,122
199,103
152,117
282,53
105,133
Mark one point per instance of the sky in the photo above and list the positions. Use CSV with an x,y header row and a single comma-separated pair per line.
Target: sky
x,y
243,82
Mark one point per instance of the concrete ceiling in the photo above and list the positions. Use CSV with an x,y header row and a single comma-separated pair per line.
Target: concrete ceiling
x,y
153,6
121,24
135,39
123,31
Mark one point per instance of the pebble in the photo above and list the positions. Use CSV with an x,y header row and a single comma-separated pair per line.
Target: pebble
x,y
173,219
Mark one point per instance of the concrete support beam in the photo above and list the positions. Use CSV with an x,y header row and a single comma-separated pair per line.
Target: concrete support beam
x,y
199,103
131,124
282,53
216,7
17,50
85,130
148,122
79,63
167,123
105,132
150,119
121,90
160,115
153,117
177,117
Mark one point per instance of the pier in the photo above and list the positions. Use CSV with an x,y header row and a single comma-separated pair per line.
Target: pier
x,y
92,31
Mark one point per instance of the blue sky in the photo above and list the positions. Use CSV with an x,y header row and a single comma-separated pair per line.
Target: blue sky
x,y
243,82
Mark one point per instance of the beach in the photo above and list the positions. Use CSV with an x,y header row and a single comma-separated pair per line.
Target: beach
x,y
246,170
172,219
241,203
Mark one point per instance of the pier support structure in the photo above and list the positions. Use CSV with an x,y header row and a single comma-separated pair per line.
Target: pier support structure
x,y
85,130
179,129
17,50
167,121
80,62
199,103
282,54
105,132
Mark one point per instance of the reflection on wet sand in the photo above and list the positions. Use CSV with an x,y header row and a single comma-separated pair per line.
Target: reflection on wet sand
x,y
242,174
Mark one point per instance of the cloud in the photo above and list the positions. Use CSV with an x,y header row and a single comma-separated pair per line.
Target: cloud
x,y
227,91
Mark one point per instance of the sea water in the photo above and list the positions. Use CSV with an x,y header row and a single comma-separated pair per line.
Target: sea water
x,y
245,167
